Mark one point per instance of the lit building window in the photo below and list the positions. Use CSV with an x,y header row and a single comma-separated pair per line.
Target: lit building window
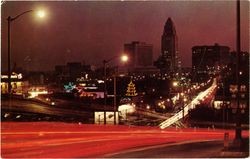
x,y
243,88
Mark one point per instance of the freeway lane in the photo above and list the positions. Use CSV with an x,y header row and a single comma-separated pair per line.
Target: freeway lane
x,y
179,115
51,139
35,107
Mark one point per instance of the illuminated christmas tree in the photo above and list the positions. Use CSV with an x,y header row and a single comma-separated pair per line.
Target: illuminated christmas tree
x,y
131,90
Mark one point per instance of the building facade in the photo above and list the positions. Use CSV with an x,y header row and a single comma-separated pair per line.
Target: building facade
x,y
140,54
71,71
230,91
208,61
18,84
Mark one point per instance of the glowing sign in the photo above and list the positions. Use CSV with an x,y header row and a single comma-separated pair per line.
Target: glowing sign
x,y
33,94
90,88
99,117
15,76
69,87
100,81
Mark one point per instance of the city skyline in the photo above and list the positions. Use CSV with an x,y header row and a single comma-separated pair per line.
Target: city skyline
x,y
139,79
86,31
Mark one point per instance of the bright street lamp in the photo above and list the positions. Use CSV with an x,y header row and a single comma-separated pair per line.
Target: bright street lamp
x,y
124,58
40,14
175,83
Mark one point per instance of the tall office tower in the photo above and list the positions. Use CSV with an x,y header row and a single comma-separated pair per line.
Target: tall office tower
x,y
167,62
140,54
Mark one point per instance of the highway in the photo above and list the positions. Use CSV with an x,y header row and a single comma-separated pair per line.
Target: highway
x,y
63,140
153,114
202,96
26,109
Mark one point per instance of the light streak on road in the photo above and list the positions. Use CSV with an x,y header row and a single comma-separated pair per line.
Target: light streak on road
x,y
153,114
179,115
64,140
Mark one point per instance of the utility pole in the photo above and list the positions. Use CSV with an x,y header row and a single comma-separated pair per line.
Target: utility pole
x,y
238,136
115,96
124,58
105,89
9,57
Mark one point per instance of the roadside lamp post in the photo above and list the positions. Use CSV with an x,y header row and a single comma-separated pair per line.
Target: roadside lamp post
x,y
40,14
184,102
238,135
123,58
182,99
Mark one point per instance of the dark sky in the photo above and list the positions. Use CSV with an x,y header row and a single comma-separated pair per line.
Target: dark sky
x,y
93,31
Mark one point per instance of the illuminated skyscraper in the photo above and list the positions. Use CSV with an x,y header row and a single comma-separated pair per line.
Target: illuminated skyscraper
x,y
167,62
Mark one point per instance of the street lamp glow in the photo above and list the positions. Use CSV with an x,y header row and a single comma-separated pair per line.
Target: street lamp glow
x,y
124,58
175,84
41,14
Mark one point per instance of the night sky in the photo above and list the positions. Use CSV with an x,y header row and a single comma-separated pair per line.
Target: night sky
x,y
93,31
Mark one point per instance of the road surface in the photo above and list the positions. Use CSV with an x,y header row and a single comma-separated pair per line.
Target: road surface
x,y
206,149
63,140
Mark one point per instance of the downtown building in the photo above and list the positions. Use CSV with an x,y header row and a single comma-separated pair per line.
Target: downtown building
x,y
71,71
208,61
140,57
168,61
228,90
